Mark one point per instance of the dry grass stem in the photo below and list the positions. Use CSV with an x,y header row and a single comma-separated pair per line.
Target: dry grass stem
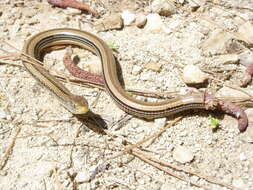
x,y
7,153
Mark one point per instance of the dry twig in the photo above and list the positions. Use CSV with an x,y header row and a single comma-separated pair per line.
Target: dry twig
x,y
7,153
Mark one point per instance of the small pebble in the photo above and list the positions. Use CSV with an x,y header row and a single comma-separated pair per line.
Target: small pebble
x,y
28,12
3,114
246,58
163,7
3,172
168,185
14,29
154,23
33,21
245,31
72,11
216,43
248,135
229,92
65,183
94,67
72,173
160,122
83,176
154,66
193,75
239,183
242,157
194,178
110,22
182,154
194,5
140,21
128,17
136,69
228,59
146,76
18,109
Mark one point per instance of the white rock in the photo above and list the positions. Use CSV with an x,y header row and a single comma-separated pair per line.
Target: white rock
x,y
15,28
229,92
239,183
160,122
65,183
18,109
3,114
193,75
228,59
82,176
128,17
136,69
172,26
246,58
95,67
242,157
182,154
175,24
154,23
216,43
194,5
72,11
248,135
245,32
146,76
163,7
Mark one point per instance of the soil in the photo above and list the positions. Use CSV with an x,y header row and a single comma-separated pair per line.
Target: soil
x,y
55,150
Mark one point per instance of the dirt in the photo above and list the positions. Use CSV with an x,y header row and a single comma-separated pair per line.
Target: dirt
x,y
55,150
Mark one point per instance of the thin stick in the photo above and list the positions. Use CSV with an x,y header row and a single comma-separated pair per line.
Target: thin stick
x,y
154,136
186,170
158,166
131,146
7,154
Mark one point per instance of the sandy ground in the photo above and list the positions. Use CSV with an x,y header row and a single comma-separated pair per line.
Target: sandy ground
x,y
53,150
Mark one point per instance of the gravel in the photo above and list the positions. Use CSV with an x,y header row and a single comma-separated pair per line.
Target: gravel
x,y
54,148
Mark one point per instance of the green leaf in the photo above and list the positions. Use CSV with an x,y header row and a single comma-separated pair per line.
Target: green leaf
x,y
214,122
112,45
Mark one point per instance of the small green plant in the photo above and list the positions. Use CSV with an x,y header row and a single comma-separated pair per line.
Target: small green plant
x,y
112,45
214,122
